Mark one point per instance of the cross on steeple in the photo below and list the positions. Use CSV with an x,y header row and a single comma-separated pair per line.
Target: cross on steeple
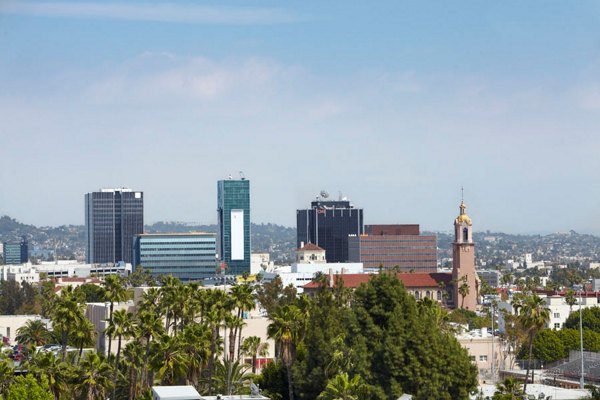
x,y
462,193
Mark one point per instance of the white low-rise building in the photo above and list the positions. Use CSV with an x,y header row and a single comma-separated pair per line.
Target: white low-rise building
x,y
558,307
10,324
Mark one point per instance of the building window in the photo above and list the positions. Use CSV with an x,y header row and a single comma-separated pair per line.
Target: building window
x,y
465,235
439,295
557,325
417,295
428,294
472,358
556,315
482,358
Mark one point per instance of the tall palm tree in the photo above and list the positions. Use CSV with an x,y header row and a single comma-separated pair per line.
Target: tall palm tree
x,y
463,290
133,355
244,300
121,326
33,333
169,360
84,334
67,313
95,377
195,341
341,387
570,299
285,329
233,323
167,302
150,326
115,293
254,348
534,317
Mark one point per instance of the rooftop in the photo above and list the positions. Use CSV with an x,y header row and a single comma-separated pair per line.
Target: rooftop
x,y
414,280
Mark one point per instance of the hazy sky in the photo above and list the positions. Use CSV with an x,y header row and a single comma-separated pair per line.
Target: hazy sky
x,y
395,104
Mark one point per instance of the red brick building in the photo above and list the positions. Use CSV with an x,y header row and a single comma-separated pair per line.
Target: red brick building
x,y
394,246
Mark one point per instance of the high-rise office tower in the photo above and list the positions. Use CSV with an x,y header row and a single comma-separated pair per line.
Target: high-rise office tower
x,y
327,224
113,217
233,209
16,253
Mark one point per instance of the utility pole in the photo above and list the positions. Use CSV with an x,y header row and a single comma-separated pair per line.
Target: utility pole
x,y
581,379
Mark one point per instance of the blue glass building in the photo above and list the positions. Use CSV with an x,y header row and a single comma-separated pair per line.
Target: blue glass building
x,y
16,253
187,256
233,209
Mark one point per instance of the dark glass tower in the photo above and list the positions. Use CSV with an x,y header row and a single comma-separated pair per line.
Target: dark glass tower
x,y
233,209
113,217
16,253
328,224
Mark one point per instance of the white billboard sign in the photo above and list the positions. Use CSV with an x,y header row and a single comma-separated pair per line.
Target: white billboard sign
x,y
237,234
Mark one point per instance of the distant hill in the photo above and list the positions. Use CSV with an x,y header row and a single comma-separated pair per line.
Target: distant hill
x,y
69,240
493,248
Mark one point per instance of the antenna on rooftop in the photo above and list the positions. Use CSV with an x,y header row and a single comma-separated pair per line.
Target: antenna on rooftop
x,y
242,176
324,194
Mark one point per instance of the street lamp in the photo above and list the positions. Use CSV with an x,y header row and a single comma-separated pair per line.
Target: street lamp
x,y
581,380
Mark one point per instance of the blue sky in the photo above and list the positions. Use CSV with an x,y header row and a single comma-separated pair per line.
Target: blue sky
x,y
395,104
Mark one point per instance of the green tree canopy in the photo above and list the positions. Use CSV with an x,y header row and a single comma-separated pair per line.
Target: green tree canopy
x,y
590,318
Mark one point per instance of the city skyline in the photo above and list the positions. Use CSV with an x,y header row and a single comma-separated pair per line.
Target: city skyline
x,y
396,105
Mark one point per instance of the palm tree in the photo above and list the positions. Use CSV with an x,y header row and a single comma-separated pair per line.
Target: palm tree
x,y
196,340
534,317
120,326
230,377
509,389
33,333
254,348
67,313
233,323
95,377
169,360
284,329
463,290
150,326
115,293
134,359
243,299
57,372
84,334
570,299
341,387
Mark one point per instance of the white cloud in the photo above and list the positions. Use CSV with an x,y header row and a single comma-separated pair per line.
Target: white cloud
x,y
155,12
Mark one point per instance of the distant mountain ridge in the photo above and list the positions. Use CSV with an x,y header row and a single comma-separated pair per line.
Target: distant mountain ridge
x,y
492,248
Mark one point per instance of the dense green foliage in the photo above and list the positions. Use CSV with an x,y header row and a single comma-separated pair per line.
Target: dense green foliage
x,y
375,343
29,388
590,319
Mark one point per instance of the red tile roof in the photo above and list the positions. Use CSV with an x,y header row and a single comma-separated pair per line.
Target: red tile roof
x,y
415,280
311,247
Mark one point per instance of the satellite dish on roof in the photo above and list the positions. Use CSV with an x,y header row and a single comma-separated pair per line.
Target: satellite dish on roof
x,y
324,194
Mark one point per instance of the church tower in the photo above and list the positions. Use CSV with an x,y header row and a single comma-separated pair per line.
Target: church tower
x,y
463,262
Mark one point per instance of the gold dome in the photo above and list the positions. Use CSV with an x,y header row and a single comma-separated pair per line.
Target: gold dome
x,y
463,217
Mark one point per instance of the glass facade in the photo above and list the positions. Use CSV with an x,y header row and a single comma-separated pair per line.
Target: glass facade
x,y
233,209
16,253
112,218
328,225
189,256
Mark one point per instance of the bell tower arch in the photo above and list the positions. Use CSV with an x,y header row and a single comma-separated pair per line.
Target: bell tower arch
x,y
463,262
